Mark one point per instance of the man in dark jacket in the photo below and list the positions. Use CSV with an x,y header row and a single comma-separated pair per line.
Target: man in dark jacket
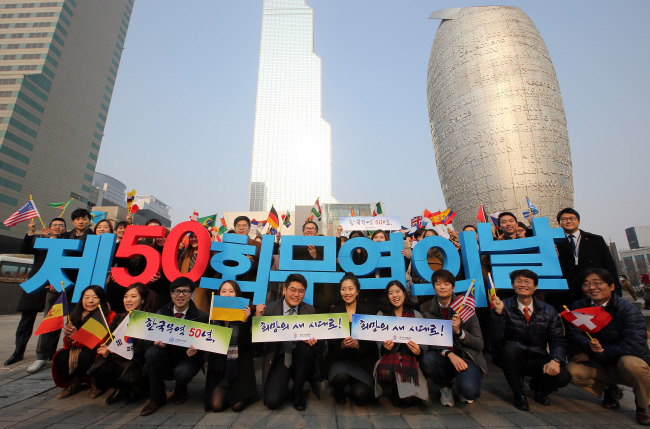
x,y
618,353
167,362
525,327
286,360
31,304
463,361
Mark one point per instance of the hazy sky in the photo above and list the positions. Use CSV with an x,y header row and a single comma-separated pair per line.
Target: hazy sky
x,y
181,120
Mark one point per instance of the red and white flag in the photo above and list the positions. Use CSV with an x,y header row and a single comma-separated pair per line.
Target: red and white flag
x,y
464,305
588,319
28,211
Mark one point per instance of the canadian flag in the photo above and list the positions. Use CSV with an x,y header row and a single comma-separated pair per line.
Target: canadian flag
x,y
588,319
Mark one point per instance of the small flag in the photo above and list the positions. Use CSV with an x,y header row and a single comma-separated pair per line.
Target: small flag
x,y
285,219
28,211
448,216
55,318
228,308
121,344
480,216
436,218
258,224
588,319
208,221
379,210
129,201
194,216
223,228
465,304
273,231
272,219
416,222
92,332
352,214
531,207
97,216
492,292
494,217
60,206
315,211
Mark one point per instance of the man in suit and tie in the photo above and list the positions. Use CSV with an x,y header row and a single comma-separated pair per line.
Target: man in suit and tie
x,y
290,359
579,251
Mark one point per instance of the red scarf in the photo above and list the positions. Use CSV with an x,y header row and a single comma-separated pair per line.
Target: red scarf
x,y
390,364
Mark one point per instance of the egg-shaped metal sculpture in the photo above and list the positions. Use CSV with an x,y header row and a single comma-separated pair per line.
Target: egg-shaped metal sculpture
x,y
496,114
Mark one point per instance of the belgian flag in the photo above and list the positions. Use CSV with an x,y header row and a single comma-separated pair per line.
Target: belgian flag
x,y
54,320
92,332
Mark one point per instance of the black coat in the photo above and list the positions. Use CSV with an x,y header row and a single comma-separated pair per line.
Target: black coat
x,y
545,329
625,335
365,357
178,353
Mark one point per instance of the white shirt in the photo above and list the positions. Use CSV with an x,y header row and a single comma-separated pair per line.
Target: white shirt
x,y
521,307
184,313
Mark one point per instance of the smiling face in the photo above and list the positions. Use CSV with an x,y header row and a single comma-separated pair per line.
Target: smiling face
x,y
227,290
294,293
523,286
349,291
597,289
181,297
103,227
508,225
396,297
90,300
242,227
194,241
379,237
444,289
57,228
521,232
569,222
160,241
132,300
120,231
309,229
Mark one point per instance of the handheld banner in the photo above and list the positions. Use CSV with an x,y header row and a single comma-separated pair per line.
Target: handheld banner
x,y
179,332
370,223
303,327
431,332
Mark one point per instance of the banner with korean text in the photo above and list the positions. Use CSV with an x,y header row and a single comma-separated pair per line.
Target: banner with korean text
x,y
370,223
179,332
432,332
301,327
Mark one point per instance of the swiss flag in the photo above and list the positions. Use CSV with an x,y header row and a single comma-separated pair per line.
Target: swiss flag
x,y
588,319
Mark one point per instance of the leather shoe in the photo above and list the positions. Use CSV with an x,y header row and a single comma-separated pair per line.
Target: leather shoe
x,y
95,391
611,396
520,402
542,398
299,403
150,408
115,396
13,359
179,396
642,416
73,387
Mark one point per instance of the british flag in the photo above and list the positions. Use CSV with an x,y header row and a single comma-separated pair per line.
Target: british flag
x,y
416,222
465,303
28,211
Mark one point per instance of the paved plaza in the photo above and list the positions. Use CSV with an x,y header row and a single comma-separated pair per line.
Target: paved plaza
x,y
29,401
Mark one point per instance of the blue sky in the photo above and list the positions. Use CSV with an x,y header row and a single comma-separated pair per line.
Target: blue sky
x,y
180,125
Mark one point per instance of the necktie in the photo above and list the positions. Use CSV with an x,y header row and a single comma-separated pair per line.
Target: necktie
x,y
178,315
527,314
288,345
572,239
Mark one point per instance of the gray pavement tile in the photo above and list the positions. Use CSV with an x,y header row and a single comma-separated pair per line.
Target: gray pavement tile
x,y
455,420
278,420
245,420
316,407
224,418
491,420
118,418
388,422
567,419
319,421
525,419
67,426
84,417
155,419
46,418
185,419
349,422
417,422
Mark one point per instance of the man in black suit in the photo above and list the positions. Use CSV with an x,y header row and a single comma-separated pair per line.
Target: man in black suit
x,y
289,359
579,251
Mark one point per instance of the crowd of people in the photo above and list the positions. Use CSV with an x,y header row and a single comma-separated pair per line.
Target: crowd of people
x,y
523,332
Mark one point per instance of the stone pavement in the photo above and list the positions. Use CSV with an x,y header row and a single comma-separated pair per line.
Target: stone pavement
x,y
29,401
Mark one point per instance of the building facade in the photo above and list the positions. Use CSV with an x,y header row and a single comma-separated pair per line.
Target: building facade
x,y
638,236
496,115
110,190
58,65
292,143
153,204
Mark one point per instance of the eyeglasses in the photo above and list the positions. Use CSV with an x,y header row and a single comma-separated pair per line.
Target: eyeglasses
x,y
294,290
309,228
595,283
184,292
524,282
568,219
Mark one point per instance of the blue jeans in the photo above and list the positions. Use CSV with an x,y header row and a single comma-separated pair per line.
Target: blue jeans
x,y
442,372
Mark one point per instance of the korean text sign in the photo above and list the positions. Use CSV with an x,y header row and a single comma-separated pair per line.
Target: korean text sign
x,y
301,327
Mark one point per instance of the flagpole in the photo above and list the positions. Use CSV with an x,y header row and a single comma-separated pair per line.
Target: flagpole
x,y
66,207
66,298
39,215
469,290
590,337
211,305
105,322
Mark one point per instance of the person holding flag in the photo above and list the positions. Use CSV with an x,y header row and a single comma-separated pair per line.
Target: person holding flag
x,y
614,352
82,337
532,342
120,361
464,361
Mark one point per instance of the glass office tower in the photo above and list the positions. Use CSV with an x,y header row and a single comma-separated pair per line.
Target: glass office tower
x,y
292,145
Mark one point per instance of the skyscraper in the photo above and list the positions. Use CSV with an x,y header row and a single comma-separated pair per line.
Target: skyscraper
x,y
292,144
496,114
58,65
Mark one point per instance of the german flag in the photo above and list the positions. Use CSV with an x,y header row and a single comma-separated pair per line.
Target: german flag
x,y
92,332
273,218
54,320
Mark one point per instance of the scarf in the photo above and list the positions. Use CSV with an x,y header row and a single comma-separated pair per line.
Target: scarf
x,y
75,351
406,369
230,364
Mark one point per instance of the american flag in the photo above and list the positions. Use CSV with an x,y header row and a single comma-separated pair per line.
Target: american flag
x,y
28,211
467,302
416,222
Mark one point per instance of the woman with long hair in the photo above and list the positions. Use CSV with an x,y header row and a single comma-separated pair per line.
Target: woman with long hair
x,y
70,365
230,381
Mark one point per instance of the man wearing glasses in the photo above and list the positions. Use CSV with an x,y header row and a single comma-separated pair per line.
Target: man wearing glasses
x,y
166,362
579,251
309,229
291,359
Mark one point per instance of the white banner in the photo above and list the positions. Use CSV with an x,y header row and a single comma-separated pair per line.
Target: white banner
x,y
370,223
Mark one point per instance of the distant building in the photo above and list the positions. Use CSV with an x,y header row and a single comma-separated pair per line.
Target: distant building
x,y
638,236
635,263
110,191
151,207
